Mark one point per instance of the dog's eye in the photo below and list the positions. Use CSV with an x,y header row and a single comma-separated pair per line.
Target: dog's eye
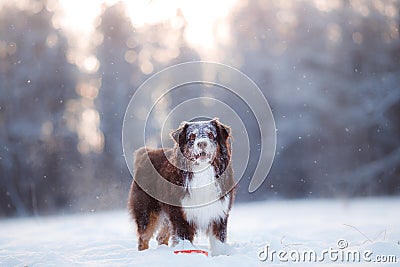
x,y
210,135
192,137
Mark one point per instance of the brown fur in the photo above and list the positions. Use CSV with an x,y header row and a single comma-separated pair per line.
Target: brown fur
x,y
147,211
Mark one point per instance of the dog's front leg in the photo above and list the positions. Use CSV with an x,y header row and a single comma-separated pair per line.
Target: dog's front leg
x,y
217,237
182,229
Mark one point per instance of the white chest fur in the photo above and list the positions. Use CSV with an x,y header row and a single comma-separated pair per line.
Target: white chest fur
x,y
203,205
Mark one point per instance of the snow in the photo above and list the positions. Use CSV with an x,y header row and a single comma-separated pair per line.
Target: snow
x,y
108,238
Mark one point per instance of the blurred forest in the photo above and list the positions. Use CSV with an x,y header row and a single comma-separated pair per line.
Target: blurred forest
x,y
329,69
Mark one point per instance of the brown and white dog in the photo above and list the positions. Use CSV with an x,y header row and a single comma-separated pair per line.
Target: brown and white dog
x,y
199,165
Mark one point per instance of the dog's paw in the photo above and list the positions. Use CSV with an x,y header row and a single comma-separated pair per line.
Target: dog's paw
x,y
183,244
218,248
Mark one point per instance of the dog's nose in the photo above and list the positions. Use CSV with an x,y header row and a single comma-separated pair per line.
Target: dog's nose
x,y
202,144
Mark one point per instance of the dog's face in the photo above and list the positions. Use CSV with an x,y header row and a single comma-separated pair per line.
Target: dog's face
x,y
200,141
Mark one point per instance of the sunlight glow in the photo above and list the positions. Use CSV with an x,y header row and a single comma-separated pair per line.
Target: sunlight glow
x,y
334,33
144,12
203,19
205,22
78,19
327,6
162,28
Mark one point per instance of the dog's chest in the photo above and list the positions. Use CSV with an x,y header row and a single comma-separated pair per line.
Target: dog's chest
x,y
203,204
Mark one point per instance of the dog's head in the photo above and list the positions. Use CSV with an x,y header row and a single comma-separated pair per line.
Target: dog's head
x,y
201,141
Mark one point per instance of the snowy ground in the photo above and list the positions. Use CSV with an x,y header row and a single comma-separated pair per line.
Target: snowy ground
x,y
108,239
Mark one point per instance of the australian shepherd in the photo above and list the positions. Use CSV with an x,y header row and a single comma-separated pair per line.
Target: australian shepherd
x,y
199,165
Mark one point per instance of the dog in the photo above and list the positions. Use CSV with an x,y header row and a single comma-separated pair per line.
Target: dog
x,y
199,165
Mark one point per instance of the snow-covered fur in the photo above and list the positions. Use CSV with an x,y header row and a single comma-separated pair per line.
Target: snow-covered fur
x,y
200,164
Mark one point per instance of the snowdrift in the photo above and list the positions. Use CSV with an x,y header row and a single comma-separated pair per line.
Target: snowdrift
x,y
290,230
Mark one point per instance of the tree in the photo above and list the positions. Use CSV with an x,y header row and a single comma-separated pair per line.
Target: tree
x,y
36,82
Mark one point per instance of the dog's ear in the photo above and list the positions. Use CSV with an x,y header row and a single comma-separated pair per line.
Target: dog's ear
x,y
179,134
222,130
223,134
